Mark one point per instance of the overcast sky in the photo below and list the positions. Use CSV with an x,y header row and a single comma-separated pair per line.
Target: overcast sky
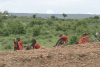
x,y
51,6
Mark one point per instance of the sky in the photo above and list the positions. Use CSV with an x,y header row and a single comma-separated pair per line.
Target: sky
x,y
51,6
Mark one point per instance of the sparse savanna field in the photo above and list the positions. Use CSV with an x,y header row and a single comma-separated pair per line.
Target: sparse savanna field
x,y
45,31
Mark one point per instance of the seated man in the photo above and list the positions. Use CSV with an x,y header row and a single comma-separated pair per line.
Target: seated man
x,y
62,38
18,45
34,44
84,39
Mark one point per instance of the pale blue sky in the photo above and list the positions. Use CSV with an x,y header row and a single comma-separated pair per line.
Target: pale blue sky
x,y
51,6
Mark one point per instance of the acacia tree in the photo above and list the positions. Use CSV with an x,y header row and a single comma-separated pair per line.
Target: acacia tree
x,y
53,17
34,16
64,15
1,24
96,17
5,15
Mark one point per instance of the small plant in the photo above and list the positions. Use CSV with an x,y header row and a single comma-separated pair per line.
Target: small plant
x,y
67,46
27,58
15,59
78,54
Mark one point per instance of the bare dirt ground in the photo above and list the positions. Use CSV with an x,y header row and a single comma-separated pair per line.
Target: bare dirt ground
x,y
83,55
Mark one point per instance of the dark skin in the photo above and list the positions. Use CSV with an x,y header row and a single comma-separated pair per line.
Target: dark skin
x,y
61,39
28,47
15,48
34,45
58,41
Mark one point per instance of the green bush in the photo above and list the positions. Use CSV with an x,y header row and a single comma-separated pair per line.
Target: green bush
x,y
1,23
59,21
49,36
44,32
36,30
39,22
27,40
56,33
56,19
59,27
32,23
4,32
66,33
49,22
73,39
8,47
16,27
96,17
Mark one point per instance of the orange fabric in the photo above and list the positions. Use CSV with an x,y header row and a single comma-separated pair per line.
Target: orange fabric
x,y
81,40
87,38
84,39
65,39
20,44
37,46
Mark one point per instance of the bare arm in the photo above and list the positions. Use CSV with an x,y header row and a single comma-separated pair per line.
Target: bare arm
x,y
58,42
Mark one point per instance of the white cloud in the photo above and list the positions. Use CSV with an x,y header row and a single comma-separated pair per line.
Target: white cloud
x,y
89,13
59,2
49,11
58,6
98,12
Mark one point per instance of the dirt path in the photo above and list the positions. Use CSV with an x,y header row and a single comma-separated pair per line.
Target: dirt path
x,y
83,55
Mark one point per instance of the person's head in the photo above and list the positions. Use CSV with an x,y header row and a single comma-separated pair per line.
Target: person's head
x,y
33,41
60,35
84,34
18,38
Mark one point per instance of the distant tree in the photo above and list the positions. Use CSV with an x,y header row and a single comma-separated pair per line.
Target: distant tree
x,y
15,27
15,16
96,17
0,13
53,17
49,22
36,30
1,24
64,15
4,17
56,18
5,14
34,16
91,17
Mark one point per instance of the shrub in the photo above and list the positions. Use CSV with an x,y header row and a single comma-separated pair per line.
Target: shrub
x,y
4,32
32,23
36,30
73,39
49,36
44,32
49,22
39,22
96,17
59,27
7,47
16,27
26,41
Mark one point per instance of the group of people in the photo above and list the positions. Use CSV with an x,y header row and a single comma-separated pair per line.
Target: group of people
x,y
18,44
